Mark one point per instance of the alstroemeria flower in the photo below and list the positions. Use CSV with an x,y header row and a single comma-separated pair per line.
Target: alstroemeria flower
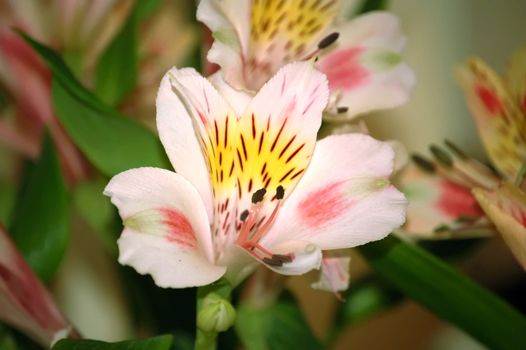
x,y
498,107
440,205
506,208
252,186
361,58
24,302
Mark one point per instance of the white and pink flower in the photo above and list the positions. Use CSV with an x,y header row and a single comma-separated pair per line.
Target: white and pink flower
x,y
361,57
252,186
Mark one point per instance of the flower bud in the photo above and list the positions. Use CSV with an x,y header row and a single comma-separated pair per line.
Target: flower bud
x,y
216,314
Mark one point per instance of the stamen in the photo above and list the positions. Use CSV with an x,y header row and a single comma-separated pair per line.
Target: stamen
x,y
272,262
271,259
441,156
258,195
280,192
285,258
341,110
423,163
456,150
244,215
328,40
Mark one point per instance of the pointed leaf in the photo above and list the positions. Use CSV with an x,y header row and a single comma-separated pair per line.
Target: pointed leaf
x,y
112,143
158,343
39,226
446,292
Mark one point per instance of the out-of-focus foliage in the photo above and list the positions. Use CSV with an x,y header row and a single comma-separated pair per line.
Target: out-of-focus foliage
x,y
40,224
157,343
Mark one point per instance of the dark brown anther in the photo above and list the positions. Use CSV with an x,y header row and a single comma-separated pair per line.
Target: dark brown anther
x,y
328,40
272,262
258,195
441,156
423,163
280,192
243,215
340,110
282,258
456,150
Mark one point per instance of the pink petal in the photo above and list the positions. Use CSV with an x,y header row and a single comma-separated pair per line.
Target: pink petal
x,y
344,199
167,231
24,302
365,64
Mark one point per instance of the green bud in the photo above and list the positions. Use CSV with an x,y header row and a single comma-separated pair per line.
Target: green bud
x,y
216,314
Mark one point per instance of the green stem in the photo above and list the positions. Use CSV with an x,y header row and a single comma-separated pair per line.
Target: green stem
x,y
205,340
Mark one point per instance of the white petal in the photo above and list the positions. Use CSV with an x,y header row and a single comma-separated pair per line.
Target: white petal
x,y
168,264
229,21
344,199
374,29
167,230
364,67
176,131
236,98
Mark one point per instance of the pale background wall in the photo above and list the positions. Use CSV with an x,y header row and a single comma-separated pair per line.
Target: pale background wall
x,y
441,34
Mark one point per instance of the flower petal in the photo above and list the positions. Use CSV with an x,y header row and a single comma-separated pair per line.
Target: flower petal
x,y
229,21
236,98
515,78
170,265
277,132
344,199
501,125
177,134
506,208
215,124
167,231
24,302
365,63
250,53
334,274
437,207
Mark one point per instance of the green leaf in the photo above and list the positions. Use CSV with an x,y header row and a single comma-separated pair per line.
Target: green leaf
x,y
144,9
279,326
373,5
7,341
60,71
367,298
446,292
116,71
39,226
98,212
113,144
158,343
110,141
